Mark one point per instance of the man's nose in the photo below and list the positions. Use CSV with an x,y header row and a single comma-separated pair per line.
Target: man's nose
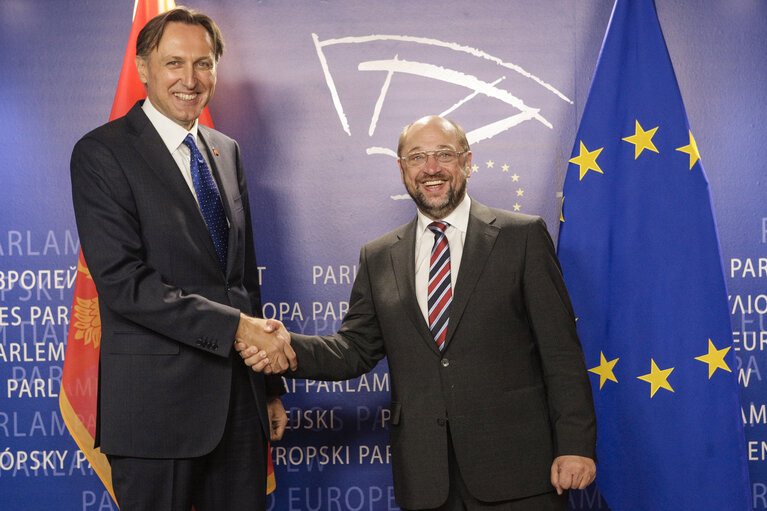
x,y
188,78
432,165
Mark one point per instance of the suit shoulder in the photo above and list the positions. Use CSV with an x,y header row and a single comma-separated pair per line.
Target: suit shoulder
x,y
110,133
216,137
506,218
106,144
516,226
388,239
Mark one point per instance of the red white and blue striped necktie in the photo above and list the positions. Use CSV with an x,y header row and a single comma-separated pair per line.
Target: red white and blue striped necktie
x,y
440,292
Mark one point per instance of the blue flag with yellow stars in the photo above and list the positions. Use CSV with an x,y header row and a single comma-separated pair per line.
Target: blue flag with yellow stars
x,y
640,255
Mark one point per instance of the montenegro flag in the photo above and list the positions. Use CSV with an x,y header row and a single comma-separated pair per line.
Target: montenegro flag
x,y
79,382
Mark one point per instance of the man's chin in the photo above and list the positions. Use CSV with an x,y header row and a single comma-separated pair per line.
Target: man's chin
x,y
436,208
436,211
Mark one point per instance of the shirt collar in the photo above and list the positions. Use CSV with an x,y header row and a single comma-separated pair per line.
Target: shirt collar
x,y
458,218
172,134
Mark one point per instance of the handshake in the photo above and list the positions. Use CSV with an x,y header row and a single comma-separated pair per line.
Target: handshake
x,y
264,345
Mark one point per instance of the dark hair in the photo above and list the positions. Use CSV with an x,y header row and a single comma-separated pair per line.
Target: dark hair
x,y
149,37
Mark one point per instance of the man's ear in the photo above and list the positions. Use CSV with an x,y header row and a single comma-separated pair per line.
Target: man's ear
x,y
467,166
141,67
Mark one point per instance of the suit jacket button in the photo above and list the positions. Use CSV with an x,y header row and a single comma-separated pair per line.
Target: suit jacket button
x,y
441,421
445,362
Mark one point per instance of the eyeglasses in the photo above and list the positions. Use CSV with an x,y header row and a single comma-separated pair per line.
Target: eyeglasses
x,y
417,160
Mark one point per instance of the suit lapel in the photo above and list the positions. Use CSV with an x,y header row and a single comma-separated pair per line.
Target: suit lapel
x,y
403,265
480,238
156,156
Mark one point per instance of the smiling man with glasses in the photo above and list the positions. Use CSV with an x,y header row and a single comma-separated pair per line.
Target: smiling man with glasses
x,y
436,179
491,403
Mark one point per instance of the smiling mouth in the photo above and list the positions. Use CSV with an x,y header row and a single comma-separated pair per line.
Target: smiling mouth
x,y
185,97
433,183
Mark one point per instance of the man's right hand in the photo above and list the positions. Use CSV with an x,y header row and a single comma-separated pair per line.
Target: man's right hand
x,y
270,342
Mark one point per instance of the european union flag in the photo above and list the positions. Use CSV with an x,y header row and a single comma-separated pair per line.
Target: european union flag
x,y
640,254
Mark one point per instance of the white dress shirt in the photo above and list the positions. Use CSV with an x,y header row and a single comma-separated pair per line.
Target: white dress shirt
x,y
173,135
424,241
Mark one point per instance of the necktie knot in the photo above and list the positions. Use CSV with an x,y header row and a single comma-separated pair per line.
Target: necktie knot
x,y
189,142
195,152
439,227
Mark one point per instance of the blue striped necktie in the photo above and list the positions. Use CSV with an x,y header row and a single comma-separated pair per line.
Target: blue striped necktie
x,y
210,201
440,290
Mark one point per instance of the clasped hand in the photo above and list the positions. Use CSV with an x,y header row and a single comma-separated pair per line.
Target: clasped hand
x,y
572,473
264,344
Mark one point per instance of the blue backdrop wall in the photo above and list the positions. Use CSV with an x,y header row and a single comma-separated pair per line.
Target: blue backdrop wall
x,y
316,92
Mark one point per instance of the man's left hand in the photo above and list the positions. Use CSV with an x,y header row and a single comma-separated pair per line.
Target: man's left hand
x,y
278,419
572,473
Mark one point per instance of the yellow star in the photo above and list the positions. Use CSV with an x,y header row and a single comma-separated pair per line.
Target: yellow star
x,y
714,358
517,207
604,369
505,167
515,177
642,140
658,378
587,160
475,168
691,149
490,164
520,192
562,214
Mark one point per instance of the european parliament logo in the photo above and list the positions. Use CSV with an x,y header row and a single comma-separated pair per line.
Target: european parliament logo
x,y
375,81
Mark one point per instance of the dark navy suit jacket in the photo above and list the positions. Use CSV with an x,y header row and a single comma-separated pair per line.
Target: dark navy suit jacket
x,y
168,313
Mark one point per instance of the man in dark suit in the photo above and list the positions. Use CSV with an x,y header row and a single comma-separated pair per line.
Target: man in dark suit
x,y
164,220
491,404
